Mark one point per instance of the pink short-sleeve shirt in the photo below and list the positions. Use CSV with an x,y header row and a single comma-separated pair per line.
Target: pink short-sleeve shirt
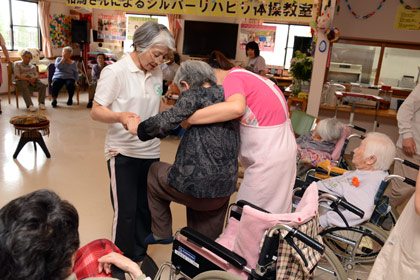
x,y
264,108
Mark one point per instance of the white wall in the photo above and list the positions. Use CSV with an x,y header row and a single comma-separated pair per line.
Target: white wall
x,y
379,26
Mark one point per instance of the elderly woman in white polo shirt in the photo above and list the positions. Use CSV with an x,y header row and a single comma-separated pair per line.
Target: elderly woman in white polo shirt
x,y
129,88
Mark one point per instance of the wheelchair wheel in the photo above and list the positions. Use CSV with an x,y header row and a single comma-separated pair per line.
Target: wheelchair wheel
x,y
216,275
356,247
329,267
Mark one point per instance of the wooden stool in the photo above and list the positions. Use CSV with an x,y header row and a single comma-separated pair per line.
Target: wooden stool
x,y
31,131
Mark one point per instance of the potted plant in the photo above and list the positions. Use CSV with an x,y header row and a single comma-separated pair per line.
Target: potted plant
x,y
301,71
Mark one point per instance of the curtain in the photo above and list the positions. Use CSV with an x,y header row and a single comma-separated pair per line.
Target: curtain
x,y
44,12
174,26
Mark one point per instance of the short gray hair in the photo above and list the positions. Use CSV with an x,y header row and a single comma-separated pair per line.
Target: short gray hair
x,y
69,49
195,73
382,147
330,129
151,34
25,52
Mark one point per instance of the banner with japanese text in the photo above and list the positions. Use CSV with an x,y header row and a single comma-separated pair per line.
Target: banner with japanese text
x,y
263,35
291,10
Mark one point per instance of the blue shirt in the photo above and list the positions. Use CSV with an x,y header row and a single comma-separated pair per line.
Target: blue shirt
x,y
65,70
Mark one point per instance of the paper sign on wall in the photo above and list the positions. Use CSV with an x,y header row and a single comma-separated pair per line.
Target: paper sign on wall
x,y
407,19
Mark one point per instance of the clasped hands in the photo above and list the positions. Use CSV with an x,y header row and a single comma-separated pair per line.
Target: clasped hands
x,y
130,121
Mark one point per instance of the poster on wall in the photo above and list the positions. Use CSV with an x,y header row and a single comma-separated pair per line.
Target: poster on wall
x,y
135,22
291,10
407,19
60,30
111,27
263,35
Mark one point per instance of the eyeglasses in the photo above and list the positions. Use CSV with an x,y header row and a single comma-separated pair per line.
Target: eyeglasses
x,y
159,58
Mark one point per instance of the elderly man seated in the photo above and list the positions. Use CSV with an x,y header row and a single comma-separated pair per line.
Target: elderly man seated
x,y
205,170
27,75
372,159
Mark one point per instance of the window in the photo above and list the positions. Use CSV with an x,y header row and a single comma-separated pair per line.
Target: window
x,y
160,19
19,24
375,63
354,63
284,43
400,68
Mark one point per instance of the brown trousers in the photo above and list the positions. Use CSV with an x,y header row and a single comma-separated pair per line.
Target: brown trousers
x,y
400,192
205,215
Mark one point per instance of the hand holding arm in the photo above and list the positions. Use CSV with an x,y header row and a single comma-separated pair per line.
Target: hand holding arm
x,y
133,124
409,146
103,114
121,262
234,107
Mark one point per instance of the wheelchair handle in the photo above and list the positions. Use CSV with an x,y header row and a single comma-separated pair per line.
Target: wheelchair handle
x,y
358,128
401,178
299,235
356,135
342,202
351,207
410,182
408,163
242,203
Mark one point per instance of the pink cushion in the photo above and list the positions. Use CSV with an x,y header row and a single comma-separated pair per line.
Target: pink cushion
x,y
254,223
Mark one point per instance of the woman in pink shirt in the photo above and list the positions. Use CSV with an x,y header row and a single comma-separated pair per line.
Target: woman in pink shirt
x,y
268,145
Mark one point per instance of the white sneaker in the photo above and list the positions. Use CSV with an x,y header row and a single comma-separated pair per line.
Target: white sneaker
x,y
32,108
42,106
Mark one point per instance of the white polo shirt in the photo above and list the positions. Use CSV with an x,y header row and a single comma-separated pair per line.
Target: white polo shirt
x,y
123,87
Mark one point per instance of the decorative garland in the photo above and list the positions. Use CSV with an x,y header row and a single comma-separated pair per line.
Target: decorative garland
x,y
408,7
359,16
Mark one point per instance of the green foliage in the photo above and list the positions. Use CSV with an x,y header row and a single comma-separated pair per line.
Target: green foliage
x,y
301,66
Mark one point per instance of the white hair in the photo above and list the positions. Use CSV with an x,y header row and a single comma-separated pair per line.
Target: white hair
x,y
151,34
195,73
69,49
382,147
330,129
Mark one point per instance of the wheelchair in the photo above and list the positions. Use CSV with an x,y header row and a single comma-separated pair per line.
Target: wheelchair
x,y
356,247
257,245
308,159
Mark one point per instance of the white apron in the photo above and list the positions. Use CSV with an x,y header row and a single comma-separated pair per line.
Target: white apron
x,y
269,155
400,256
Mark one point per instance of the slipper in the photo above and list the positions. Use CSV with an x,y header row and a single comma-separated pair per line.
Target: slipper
x,y
150,239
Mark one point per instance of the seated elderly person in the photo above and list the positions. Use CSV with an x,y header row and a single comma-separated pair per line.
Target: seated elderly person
x,y
96,73
66,73
27,76
39,238
372,159
317,145
205,170
169,70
